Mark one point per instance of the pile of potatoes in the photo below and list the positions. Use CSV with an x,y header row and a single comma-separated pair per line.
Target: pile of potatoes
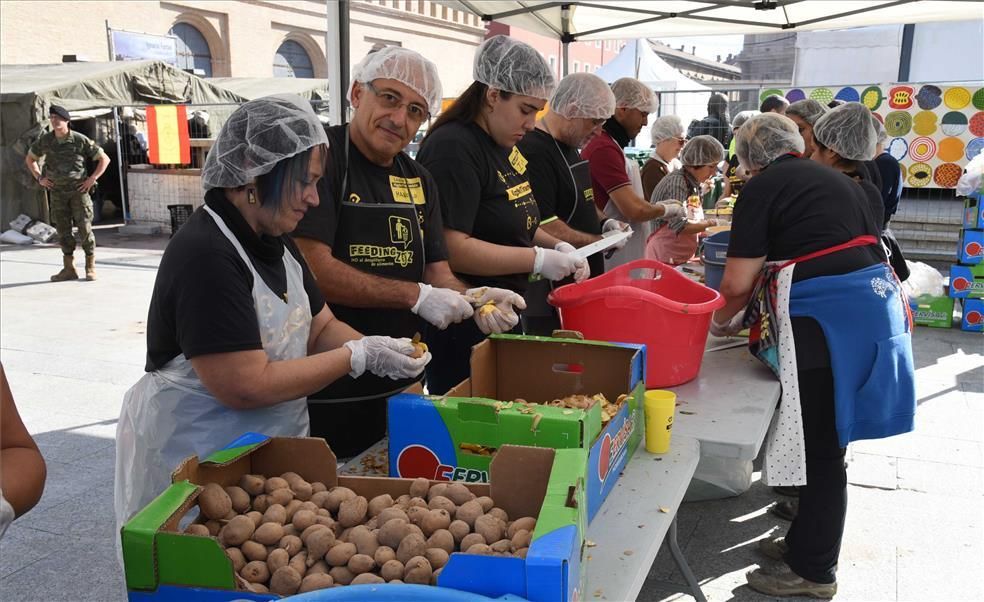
x,y
287,536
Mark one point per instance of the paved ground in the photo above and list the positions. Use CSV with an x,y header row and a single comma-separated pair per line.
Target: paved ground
x,y
914,529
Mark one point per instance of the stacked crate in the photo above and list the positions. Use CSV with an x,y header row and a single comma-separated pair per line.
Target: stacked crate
x,y
967,277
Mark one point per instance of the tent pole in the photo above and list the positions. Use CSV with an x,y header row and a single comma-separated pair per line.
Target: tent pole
x,y
337,55
122,165
565,36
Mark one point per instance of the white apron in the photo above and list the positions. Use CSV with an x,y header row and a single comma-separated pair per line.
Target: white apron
x,y
635,247
169,415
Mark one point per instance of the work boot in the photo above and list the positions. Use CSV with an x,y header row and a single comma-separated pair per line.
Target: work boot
x,y
787,583
68,271
90,267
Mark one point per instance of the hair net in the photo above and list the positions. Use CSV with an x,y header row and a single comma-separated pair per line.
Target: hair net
x,y
666,127
583,95
742,117
257,136
405,66
702,150
765,137
847,130
631,93
807,109
507,64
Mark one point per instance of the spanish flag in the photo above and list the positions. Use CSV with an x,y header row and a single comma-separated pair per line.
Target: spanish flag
x,y
167,135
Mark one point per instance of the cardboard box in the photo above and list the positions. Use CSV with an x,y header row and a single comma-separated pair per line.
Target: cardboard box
x,y
973,215
971,251
436,437
935,312
162,563
967,281
973,315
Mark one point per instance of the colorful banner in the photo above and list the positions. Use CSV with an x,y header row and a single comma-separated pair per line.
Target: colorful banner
x,y
167,135
934,130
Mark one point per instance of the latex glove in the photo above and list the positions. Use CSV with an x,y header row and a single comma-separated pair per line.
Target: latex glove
x,y
441,306
711,222
672,209
385,356
583,271
729,328
555,265
614,226
500,316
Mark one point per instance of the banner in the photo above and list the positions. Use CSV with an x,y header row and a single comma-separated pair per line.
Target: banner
x,y
167,135
934,130
131,46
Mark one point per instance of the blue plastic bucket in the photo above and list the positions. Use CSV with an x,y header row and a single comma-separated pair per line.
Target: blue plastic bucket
x,y
715,254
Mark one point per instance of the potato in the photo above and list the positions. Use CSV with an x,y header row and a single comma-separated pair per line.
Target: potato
x,y
320,498
392,569
310,507
285,581
235,556
256,517
290,529
417,570
292,507
340,553
268,534
254,551
380,503
366,578
275,514
323,512
365,540
252,484
336,496
257,588
436,490
521,553
459,494
255,572
412,545
418,502
341,575
527,523
261,503
441,502
521,539
468,512
329,522
274,483
228,517
318,487
214,501
239,497
442,539
276,559
281,496
434,520
436,557
459,529
372,524
415,514
480,548
403,501
471,539
489,527
299,562
361,563
486,502
291,543
353,511
343,536
197,529
318,567
503,546
307,532
213,527
500,514
389,514
315,581
419,487
392,533
237,531
318,543
303,519
383,555
302,490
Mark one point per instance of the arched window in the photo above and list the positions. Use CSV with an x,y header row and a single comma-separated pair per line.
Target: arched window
x,y
291,60
193,50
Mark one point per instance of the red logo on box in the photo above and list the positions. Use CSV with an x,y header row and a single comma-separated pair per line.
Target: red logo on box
x,y
974,317
960,283
420,461
973,249
611,448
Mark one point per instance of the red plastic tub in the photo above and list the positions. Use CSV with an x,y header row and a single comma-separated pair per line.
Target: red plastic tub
x,y
647,302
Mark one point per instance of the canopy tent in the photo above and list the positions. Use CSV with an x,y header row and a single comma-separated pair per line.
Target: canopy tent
x,y
255,87
85,89
638,59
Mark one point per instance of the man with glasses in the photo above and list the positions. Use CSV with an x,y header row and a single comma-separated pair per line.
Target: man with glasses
x,y
561,181
615,178
375,242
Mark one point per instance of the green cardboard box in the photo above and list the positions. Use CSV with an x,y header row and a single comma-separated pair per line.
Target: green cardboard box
x,y
935,312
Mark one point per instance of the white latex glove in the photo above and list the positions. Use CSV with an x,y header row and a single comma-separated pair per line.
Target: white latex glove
x,y
555,265
500,317
441,306
385,356
711,222
672,209
613,226
729,328
583,271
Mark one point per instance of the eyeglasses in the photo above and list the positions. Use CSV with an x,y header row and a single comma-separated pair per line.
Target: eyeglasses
x,y
389,100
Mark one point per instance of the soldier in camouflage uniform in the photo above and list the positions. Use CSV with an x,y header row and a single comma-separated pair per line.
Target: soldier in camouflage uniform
x,y
64,176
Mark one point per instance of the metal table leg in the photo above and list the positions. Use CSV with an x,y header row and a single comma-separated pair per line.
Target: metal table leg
x,y
681,562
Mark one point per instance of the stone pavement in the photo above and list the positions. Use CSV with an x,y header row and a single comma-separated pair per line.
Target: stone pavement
x,y
914,527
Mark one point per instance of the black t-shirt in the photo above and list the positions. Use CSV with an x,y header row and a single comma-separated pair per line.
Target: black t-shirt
x,y
554,186
485,192
203,296
732,174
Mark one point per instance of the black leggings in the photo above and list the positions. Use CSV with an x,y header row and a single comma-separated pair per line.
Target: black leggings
x,y
814,537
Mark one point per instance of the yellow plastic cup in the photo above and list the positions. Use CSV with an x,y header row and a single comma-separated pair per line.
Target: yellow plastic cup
x,y
659,407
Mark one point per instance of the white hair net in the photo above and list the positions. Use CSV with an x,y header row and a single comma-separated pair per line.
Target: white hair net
x,y
405,66
702,150
666,127
765,137
807,109
507,64
742,117
583,95
631,93
847,130
257,136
